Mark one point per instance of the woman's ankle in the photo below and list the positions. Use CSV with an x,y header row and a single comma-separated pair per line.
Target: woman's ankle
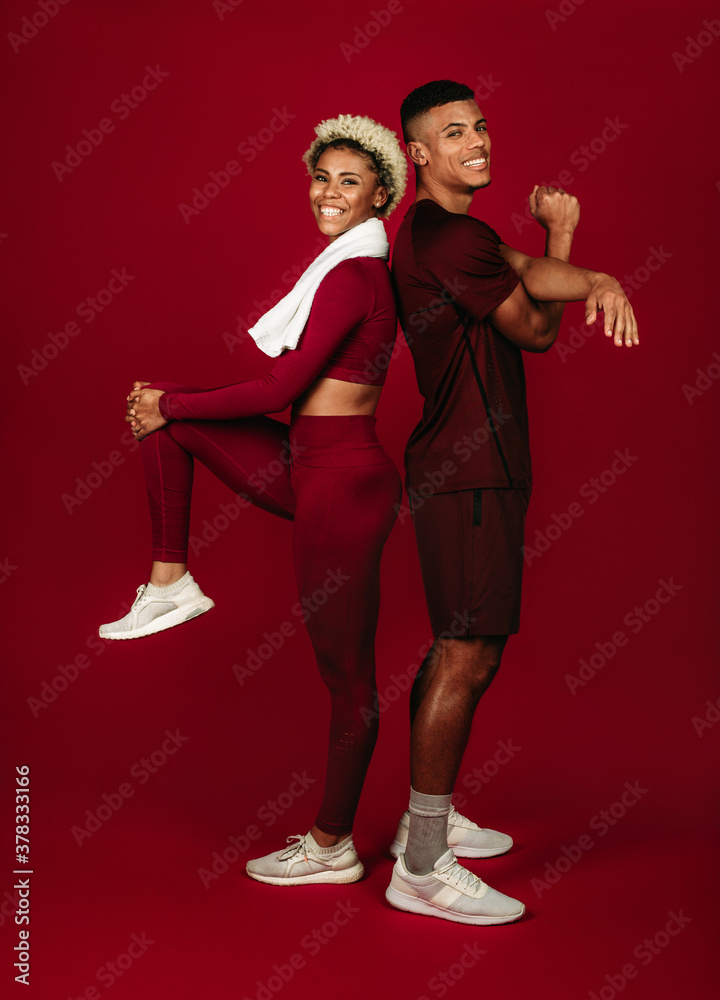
x,y
165,574
323,839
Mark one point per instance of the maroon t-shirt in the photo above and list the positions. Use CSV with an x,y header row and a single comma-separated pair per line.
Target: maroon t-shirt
x,y
448,275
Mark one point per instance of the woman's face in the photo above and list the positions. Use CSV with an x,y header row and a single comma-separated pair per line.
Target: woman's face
x,y
344,192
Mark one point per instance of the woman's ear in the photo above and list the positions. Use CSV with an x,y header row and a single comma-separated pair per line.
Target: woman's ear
x,y
381,196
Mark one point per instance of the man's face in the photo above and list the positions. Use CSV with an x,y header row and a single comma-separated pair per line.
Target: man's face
x,y
456,144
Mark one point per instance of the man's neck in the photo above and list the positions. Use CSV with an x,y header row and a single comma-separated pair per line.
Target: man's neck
x,y
458,202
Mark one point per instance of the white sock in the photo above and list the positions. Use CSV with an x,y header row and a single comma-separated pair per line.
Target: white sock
x,y
327,852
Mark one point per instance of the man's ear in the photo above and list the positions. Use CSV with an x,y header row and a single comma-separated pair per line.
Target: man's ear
x,y
417,153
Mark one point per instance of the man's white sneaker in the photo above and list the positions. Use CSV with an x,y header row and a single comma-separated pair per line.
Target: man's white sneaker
x,y
153,612
451,892
300,864
467,839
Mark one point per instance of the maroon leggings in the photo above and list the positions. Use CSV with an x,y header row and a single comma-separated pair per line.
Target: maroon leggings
x,y
331,476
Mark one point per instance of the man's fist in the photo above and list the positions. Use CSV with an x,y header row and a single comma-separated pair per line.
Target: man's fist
x,y
554,208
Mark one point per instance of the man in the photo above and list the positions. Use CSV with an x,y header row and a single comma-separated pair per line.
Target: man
x,y
469,306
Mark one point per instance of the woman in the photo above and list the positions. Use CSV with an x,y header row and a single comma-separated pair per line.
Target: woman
x,y
336,327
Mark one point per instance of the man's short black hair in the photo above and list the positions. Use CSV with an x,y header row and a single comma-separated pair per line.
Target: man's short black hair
x,y
431,95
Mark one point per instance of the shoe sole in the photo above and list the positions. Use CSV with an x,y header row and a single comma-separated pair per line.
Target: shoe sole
x,y
413,904
336,878
172,618
396,849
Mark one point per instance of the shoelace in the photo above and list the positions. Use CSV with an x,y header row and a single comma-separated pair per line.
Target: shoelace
x,y
462,877
299,848
140,592
457,819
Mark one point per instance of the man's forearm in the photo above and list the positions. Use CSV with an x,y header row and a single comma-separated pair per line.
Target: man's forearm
x,y
557,244
549,279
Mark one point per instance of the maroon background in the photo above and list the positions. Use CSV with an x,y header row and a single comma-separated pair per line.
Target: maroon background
x,y
654,187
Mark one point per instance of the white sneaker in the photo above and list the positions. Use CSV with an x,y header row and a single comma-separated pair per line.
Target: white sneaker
x,y
451,892
152,613
300,865
467,839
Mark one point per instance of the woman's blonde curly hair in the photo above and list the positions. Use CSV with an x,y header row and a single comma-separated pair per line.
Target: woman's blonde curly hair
x,y
378,142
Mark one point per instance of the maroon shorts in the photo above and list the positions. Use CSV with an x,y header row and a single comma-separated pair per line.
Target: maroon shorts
x,y
470,546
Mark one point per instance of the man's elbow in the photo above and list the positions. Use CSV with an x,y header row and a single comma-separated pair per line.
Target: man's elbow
x,y
543,336
542,345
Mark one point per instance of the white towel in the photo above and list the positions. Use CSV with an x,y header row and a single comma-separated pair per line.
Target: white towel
x,y
279,328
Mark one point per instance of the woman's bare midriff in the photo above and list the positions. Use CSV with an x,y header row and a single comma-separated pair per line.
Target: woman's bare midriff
x,y
331,397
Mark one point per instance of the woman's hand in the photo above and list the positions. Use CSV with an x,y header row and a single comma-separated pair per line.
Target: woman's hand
x,y
143,413
129,400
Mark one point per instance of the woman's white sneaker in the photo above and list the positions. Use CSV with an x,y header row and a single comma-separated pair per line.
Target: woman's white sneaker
x,y
305,863
467,839
157,608
452,893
